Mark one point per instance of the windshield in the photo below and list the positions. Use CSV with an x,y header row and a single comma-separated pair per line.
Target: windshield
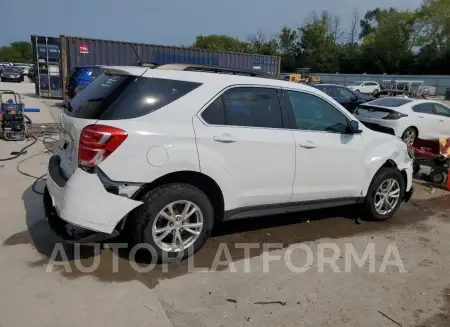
x,y
11,70
112,97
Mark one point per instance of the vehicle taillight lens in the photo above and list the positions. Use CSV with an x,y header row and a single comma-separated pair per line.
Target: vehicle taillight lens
x,y
97,142
394,115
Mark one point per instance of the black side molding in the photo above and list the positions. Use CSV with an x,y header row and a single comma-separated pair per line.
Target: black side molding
x,y
282,208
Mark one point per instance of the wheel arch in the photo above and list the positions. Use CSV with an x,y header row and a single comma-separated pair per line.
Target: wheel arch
x,y
414,127
203,182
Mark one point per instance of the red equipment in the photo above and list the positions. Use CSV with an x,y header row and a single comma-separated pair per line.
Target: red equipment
x,y
432,154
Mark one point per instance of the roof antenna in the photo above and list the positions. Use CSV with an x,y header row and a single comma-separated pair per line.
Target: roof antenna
x,y
139,58
140,63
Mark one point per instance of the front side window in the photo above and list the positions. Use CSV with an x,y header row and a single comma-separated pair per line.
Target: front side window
x,y
312,113
252,107
425,108
442,110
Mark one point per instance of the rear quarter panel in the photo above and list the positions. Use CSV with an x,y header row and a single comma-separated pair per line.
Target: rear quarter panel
x,y
158,143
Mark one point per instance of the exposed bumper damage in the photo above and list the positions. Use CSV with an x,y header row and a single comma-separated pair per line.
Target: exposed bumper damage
x,y
79,207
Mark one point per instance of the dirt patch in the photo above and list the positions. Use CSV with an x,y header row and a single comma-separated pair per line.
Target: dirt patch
x,y
440,319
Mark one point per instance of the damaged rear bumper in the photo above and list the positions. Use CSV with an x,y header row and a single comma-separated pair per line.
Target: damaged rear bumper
x,y
80,208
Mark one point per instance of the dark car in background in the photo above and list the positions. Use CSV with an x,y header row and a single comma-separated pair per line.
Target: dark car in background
x,y
81,77
349,99
11,74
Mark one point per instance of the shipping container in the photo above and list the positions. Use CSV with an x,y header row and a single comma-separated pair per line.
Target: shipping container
x,y
68,52
47,66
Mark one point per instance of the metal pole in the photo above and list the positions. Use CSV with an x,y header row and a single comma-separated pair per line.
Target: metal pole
x,y
48,68
37,68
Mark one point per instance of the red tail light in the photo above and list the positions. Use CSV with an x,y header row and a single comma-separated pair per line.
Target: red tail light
x,y
97,142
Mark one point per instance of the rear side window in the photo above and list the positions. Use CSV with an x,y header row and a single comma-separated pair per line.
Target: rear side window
x,y
425,108
114,97
215,113
252,107
246,106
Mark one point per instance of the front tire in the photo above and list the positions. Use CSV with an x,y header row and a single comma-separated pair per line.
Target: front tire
x,y
385,195
175,220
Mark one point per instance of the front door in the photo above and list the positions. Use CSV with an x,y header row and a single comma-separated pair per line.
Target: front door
x,y
328,159
443,114
426,120
244,145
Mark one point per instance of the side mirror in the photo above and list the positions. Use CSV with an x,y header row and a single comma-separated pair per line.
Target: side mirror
x,y
354,98
65,104
354,127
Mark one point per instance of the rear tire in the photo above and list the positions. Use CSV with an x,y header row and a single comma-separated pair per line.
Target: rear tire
x,y
147,219
409,135
438,176
379,186
375,92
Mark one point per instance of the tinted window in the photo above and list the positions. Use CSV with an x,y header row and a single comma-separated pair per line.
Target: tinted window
x,y
328,89
371,83
75,72
252,107
215,113
390,102
111,97
316,114
96,72
344,93
426,108
442,110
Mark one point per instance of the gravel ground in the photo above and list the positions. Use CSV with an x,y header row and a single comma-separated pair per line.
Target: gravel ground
x,y
249,290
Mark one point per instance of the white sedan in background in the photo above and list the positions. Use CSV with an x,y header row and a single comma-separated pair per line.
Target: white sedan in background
x,y
367,87
406,118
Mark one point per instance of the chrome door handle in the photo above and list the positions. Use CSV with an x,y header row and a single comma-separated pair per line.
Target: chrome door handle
x,y
420,116
225,138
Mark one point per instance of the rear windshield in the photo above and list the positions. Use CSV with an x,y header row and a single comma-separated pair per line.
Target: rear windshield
x,y
113,97
390,102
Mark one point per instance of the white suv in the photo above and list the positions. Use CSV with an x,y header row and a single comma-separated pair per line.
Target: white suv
x,y
366,87
162,155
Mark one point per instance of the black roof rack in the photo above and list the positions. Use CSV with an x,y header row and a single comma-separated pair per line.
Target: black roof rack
x,y
213,69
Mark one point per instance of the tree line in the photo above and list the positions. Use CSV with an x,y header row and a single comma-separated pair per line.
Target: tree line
x,y
384,40
16,52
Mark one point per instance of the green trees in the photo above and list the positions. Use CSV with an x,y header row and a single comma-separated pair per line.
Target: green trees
x,y
16,52
385,40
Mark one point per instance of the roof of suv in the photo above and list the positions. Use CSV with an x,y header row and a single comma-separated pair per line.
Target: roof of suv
x,y
222,80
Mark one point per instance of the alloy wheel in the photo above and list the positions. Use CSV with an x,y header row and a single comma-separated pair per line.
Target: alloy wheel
x,y
409,136
177,226
387,196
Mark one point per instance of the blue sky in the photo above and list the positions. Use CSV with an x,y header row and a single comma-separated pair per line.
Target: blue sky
x,y
171,22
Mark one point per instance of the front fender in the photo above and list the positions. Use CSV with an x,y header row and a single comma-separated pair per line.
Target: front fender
x,y
390,150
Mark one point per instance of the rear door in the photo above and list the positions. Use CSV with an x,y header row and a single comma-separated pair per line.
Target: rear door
x,y
243,139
